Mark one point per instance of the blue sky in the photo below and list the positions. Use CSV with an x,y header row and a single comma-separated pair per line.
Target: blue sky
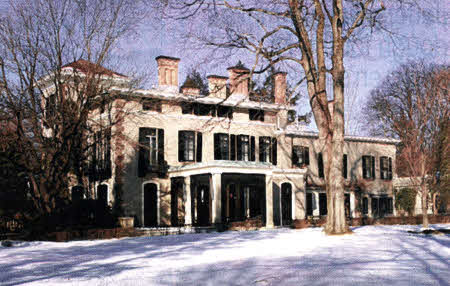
x,y
365,67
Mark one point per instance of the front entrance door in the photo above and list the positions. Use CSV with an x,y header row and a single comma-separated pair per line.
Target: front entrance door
x,y
286,204
150,205
202,205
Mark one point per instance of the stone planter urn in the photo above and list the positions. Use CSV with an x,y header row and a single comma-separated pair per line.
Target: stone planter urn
x,y
126,222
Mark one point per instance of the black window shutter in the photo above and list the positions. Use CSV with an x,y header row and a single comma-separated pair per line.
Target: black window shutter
x,y
274,151
344,167
373,167
320,165
232,147
239,147
252,148
294,156
181,145
216,147
199,146
381,168
143,151
108,154
160,147
306,155
364,167
390,168
261,149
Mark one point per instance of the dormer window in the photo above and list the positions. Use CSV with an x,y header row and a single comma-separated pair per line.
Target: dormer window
x,y
256,114
151,105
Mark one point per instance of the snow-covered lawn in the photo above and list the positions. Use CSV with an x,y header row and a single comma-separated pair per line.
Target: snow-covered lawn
x,y
373,255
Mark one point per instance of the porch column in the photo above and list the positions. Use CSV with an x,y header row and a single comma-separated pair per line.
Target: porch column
x,y
352,204
187,201
369,206
316,204
269,201
216,195
394,209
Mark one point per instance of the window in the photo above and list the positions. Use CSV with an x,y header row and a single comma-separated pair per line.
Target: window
x,y
101,156
189,146
187,108
365,205
320,165
291,115
268,149
344,166
151,150
385,168
198,109
368,163
243,144
300,156
234,147
225,111
151,105
256,114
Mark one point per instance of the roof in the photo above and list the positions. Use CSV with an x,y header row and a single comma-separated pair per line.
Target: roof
x,y
304,131
87,66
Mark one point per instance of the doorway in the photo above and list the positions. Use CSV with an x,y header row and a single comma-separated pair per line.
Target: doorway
x,y
150,205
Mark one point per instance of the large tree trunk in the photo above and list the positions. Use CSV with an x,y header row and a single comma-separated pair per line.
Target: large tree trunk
x,y
424,190
336,220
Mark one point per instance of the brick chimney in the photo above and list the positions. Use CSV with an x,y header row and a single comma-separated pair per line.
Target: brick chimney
x,y
280,87
217,86
239,80
168,72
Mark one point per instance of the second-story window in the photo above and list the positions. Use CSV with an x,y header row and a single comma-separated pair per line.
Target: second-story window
x,y
234,147
221,146
300,156
320,165
243,148
225,111
256,114
386,168
151,150
189,146
151,105
368,165
101,156
268,149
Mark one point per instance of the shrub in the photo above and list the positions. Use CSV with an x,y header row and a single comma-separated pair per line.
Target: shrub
x,y
405,199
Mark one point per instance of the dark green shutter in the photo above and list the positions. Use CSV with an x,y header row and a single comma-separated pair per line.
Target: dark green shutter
x,y
239,147
306,155
320,165
252,148
364,167
232,147
143,160
161,147
390,169
274,151
373,167
199,146
344,166
261,149
294,156
181,146
216,147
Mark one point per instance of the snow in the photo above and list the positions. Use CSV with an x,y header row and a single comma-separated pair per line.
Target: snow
x,y
373,255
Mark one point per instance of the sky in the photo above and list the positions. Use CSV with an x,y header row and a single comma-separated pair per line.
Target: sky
x,y
366,66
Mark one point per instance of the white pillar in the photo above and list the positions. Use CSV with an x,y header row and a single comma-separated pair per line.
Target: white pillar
x,y
216,195
369,206
187,201
316,210
269,202
352,204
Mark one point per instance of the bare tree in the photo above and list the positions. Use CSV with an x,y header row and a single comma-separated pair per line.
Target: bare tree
x,y
50,103
412,104
308,37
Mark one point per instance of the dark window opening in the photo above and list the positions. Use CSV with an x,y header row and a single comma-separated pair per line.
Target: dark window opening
x,y
204,109
268,149
291,115
300,156
187,108
368,163
101,156
151,105
189,146
234,147
385,168
256,114
365,206
320,165
323,204
243,148
225,111
151,150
